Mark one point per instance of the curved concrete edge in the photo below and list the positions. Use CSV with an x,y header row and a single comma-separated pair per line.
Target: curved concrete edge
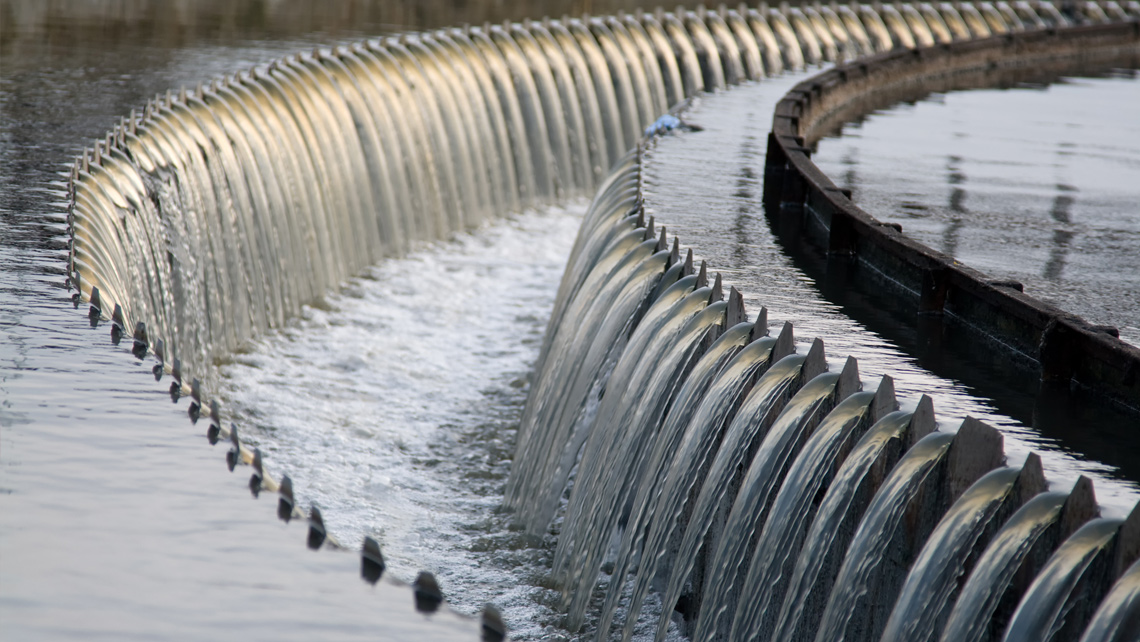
x,y
805,203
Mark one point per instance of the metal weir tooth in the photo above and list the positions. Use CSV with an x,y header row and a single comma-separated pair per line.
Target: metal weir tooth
x,y
118,325
160,356
96,305
760,327
317,532
372,563
285,500
141,344
428,595
717,290
492,624
258,475
195,408
735,312
233,455
215,413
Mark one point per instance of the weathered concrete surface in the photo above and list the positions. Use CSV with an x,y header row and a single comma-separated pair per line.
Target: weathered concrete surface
x,y
1058,346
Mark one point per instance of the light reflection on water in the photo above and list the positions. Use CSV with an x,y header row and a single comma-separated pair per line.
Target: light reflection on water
x,y
1038,184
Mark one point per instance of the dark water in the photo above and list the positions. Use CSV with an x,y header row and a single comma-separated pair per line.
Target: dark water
x,y
1040,184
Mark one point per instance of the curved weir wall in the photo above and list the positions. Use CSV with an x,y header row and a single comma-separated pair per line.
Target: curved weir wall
x,y
673,442
1054,345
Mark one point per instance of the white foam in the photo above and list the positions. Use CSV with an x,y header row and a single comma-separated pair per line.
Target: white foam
x,y
393,404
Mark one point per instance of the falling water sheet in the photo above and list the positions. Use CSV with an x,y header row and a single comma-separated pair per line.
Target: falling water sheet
x,y
393,402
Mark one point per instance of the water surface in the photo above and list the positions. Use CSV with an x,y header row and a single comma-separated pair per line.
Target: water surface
x,y
1040,184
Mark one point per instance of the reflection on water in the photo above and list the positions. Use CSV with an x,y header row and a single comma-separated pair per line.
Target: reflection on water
x,y
1039,184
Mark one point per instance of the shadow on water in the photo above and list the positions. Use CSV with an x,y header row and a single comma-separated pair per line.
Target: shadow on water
x,y
1077,420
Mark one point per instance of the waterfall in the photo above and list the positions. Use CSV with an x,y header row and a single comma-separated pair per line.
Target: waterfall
x,y
752,511
676,447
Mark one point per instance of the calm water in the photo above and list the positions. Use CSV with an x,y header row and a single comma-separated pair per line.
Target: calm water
x,y
1038,184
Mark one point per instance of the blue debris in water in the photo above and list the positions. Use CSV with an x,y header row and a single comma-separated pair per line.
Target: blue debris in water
x,y
663,124
668,122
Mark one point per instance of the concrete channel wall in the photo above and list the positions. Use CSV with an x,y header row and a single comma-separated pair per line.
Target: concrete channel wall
x,y
805,204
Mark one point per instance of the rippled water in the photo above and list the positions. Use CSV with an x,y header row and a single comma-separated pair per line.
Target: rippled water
x,y
1036,183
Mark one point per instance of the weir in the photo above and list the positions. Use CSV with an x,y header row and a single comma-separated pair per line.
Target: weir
x,y
754,488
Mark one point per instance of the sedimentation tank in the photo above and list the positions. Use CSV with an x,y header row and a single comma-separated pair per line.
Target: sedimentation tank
x,y
671,439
